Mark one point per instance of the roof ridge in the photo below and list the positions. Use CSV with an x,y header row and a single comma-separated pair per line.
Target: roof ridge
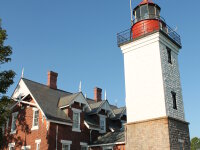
x,y
46,85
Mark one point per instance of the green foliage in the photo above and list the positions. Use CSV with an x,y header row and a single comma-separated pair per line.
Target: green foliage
x,y
195,143
6,79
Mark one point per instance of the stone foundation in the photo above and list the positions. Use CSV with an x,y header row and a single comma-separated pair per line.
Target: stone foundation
x,y
157,134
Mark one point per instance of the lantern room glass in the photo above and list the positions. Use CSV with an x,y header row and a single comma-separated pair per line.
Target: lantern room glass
x,y
147,11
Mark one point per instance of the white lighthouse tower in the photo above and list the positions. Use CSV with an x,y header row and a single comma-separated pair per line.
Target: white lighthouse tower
x,y
155,112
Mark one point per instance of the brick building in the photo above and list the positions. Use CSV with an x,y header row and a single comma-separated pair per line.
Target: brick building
x,y
44,117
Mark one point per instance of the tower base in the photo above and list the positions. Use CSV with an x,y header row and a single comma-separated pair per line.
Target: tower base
x,y
164,133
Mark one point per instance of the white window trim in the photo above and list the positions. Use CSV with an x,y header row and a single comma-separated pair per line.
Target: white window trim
x,y
13,115
79,121
84,144
37,142
11,145
35,127
102,117
108,147
26,147
66,142
7,123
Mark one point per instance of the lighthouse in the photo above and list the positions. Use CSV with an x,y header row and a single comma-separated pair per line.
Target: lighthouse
x,y
155,109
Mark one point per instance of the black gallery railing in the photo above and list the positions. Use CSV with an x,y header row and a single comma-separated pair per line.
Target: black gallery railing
x,y
127,35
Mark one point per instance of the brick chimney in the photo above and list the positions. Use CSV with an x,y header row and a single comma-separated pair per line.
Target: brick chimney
x,y
97,94
52,79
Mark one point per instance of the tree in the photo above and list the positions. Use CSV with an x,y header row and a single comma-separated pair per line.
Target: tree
x,y
195,143
6,79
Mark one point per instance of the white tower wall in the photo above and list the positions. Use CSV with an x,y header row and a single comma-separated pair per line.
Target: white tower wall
x,y
147,80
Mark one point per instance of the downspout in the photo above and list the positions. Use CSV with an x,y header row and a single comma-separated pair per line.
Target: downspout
x,y
56,137
91,136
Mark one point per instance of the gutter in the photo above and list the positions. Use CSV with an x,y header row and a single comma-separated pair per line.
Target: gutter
x,y
59,122
108,144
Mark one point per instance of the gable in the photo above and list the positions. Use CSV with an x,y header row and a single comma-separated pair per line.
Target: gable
x,y
20,91
69,100
106,106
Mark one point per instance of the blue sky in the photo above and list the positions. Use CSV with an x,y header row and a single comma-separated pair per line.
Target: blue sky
x,y
77,39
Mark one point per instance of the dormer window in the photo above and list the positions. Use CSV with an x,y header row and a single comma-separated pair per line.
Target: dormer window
x,y
76,120
102,121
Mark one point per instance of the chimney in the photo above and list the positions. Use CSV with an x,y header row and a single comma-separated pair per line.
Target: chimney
x,y
97,94
52,79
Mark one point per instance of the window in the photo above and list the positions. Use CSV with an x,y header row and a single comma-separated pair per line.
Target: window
x,y
11,146
26,147
138,14
181,144
174,100
38,144
65,147
84,146
169,55
144,11
151,11
108,148
14,119
76,120
102,123
7,124
35,124
66,144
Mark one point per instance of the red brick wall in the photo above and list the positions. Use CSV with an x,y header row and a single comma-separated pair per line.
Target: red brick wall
x,y
24,134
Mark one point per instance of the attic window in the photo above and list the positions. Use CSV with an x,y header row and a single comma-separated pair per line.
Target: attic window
x,y
35,124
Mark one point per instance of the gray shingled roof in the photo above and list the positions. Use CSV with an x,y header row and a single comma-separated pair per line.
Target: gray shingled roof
x,y
95,106
66,100
47,99
50,100
118,112
111,137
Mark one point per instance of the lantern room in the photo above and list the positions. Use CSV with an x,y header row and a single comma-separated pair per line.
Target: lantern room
x,y
147,19
146,10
